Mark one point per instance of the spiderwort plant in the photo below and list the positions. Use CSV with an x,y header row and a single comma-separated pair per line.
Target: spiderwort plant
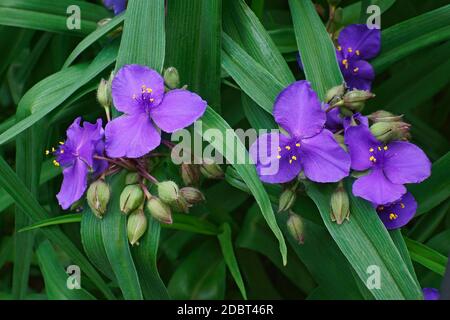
x,y
307,146
398,213
77,157
139,93
118,6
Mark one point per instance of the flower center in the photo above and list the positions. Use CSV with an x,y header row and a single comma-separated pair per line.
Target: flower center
x,y
289,151
145,97
377,153
393,216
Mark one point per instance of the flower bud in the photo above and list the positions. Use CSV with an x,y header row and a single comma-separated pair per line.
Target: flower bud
x,y
132,178
172,78
168,191
355,99
104,93
389,131
211,171
384,116
287,199
190,174
131,198
159,210
98,196
192,195
295,227
136,226
340,207
335,93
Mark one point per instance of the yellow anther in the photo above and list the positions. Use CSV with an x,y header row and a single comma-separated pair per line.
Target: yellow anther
x,y
149,90
385,148
290,161
294,158
53,149
288,148
47,152
379,148
278,157
350,50
371,150
61,151
61,143
297,144
339,48
55,163
345,62
393,216
357,52
402,205
356,69
373,159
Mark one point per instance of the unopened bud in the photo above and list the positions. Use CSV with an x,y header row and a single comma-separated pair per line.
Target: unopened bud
x,y
211,171
287,199
159,210
192,195
104,93
98,196
132,178
168,191
340,207
356,99
136,226
389,131
172,78
335,93
190,174
384,116
131,198
295,227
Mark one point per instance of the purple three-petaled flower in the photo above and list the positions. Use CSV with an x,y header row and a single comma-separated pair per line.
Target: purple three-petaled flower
x,y
138,91
390,166
398,213
308,146
357,44
76,156
117,6
431,294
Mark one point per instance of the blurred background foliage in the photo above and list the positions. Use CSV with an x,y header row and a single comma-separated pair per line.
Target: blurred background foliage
x,y
227,239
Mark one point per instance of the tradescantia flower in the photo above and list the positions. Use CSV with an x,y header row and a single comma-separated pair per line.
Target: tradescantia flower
x,y
397,214
389,166
117,6
308,146
76,156
431,294
357,44
138,91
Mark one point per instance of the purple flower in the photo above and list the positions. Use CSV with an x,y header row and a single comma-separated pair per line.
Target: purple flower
x,y
138,91
76,156
117,5
430,294
397,214
307,145
356,44
390,166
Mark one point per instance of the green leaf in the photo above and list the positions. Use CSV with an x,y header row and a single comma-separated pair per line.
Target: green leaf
x,y
247,172
315,47
67,218
192,224
365,233
226,244
49,15
426,256
351,13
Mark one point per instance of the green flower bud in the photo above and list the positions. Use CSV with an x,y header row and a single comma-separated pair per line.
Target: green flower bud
x,y
340,207
136,226
98,196
131,198
384,116
335,94
159,210
287,199
211,171
295,227
172,78
356,99
192,195
168,191
132,178
190,174
104,94
389,131
181,205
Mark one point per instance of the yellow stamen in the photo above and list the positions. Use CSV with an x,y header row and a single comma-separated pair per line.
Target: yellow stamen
x,y
297,144
402,205
357,52
379,148
339,48
149,90
344,62
373,159
385,148
393,216
61,143
47,152
55,163
53,149
294,158
290,161
350,50
278,157
371,150
356,69
288,148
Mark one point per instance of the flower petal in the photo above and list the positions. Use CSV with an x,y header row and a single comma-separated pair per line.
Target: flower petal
x,y
399,213
360,37
431,294
179,109
298,110
360,140
376,188
74,184
334,120
131,136
358,74
117,5
404,162
322,158
271,169
128,84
